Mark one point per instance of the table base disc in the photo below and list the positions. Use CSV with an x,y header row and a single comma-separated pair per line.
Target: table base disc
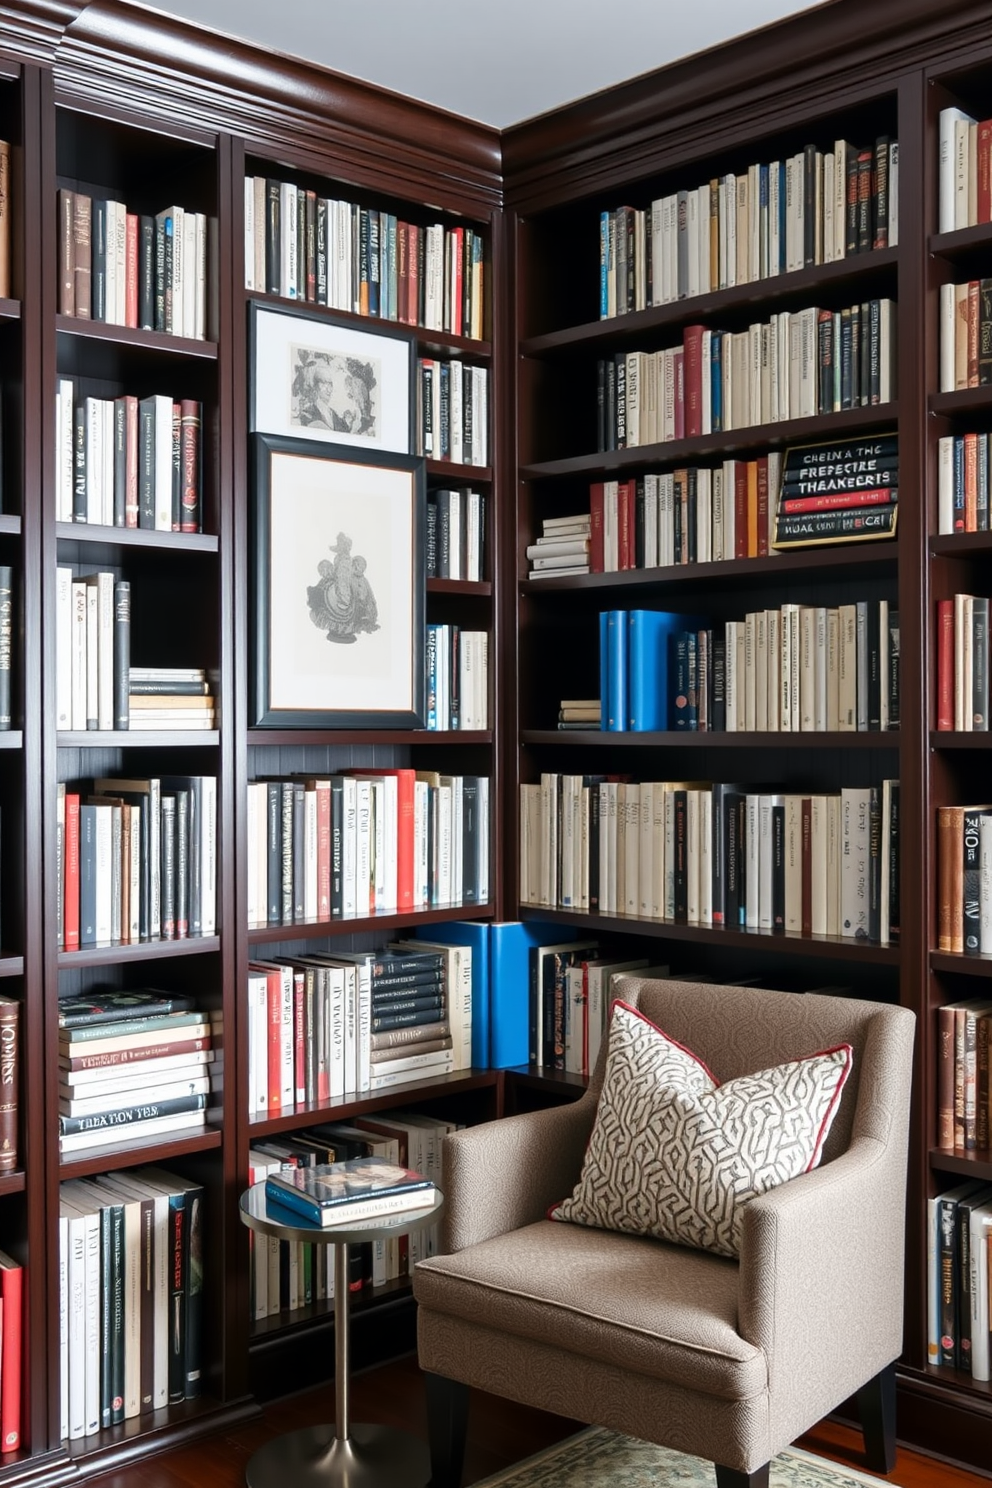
x,y
372,1457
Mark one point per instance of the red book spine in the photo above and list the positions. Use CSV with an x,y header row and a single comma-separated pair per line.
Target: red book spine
x,y
945,665
807,867
971,483
70,912
692,352
596,555
324,851
404,839
740,508
11,1288
839,500
273,1002
413,274
131,271
763,506
679,360
625,555
985,170
189,455
973,298
299,1036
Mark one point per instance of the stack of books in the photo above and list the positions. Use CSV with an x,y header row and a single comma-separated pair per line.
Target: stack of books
x,y
124,269
562,548
580,713
170,698
350,1192
132,1065
959,1223
838,491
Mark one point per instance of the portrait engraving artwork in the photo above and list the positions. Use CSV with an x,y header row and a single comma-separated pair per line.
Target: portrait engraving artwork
x,y
342,602
329,391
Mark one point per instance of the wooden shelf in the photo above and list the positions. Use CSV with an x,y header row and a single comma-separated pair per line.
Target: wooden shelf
x,y
10,525
728,442
961,544
439,471
380,1100
739,572
317,929
622,330
12,1183
963,240
679,739
428,342
952,739
129,336
470,588
133,1152
10,309
143,950
977,1164
965,400
962,965
826,947
136,537
280,737
137,738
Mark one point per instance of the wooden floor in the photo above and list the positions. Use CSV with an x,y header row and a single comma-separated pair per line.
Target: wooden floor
x,y
499,1434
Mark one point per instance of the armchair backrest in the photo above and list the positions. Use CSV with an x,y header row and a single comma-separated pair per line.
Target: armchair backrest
x,y
737,1030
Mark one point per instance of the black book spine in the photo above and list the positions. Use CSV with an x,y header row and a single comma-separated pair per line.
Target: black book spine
x,y
601,405
691,514
6,643
193,1290
971,887
299,848
947,1252
681,861
444,534
855,356
98,242
733,860
620,362
471,830
874,667
875,866
182,864
177,468
778,867
809,204
321,250
122,653
979,720
432,546
146,273
892,848
380,1022
177,1298
593,848
454,669
337,845
79,512
117,1274
274,838
718,714
374,263
273,262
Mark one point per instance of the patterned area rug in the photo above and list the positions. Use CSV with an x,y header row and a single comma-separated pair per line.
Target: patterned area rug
x,y
602,1459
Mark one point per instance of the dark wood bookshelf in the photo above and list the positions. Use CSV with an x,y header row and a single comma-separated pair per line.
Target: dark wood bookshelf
x,y
317,929
961,544
622,330
693,739
960,964
12,1183
428,342
363,1104
964,400
467,588
289,737
726,442
952,739
738,572
962,240
131,1154
447,470
159,342
976,1164
138,738
142,950
109,538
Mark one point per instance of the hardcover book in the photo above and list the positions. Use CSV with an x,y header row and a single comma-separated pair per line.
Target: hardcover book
x,y
351,1191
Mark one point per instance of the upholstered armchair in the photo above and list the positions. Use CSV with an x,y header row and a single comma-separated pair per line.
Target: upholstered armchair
x,y
729,1359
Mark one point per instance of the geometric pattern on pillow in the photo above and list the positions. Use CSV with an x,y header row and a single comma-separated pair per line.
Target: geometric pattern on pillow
x,y
675,1155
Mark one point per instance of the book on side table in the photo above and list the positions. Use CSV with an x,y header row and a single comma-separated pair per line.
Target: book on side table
x,y
348,1192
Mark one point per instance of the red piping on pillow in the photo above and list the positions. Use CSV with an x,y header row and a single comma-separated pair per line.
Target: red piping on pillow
x,y
618,1002
829,1114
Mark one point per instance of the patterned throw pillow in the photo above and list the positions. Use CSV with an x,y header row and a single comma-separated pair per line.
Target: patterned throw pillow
x,y
675,1155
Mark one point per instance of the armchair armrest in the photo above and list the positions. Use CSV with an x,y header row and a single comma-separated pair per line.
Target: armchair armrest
x,y
505,1174
821,1280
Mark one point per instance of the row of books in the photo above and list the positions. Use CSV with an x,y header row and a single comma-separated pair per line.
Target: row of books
x,y
452,411
965,154
122,268
457,677
963,1074
714,855
571,994
817,206
795,669
964,879
287,1275
376,841
958,1286
128,461
963,663
795,365
456,535
136,860
131,1262
304,246
322,1027
96,685
115,1083
965,335
963,483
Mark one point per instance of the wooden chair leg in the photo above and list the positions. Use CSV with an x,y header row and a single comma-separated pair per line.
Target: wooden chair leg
x,y
877,1408
731,1477
447,1421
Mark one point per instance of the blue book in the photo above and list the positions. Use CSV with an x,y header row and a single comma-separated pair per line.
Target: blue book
x,y
716,382
604,264
476,935
648,657
510,943
616,671
604,670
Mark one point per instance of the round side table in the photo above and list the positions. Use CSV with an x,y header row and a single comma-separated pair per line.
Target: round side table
x,y
344,1455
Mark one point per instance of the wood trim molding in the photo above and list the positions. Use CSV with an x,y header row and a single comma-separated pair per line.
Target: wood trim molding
x,y
120,59
617,134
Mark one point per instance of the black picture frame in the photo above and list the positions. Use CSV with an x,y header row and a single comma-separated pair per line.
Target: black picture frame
x,y
338,586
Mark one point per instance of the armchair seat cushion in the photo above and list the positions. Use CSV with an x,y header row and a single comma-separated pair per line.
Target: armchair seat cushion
x,y
640,1304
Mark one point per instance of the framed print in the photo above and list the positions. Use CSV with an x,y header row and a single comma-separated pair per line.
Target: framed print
x,y
338,584
314,377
